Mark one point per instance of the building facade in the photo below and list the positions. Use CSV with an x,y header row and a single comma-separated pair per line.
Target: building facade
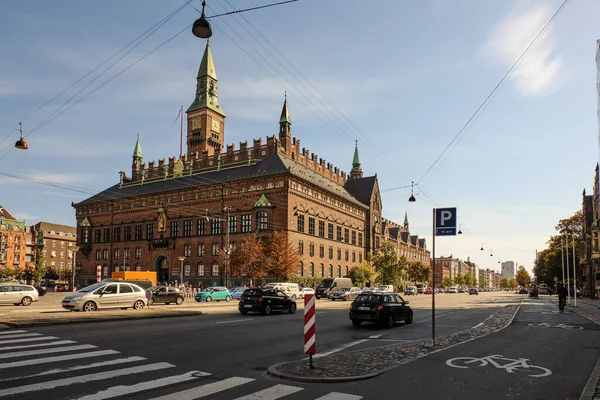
x,y
198,204
58,244
508,269
13,238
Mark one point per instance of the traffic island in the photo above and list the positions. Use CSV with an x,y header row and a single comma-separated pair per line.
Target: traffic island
x,y
29,319
364,364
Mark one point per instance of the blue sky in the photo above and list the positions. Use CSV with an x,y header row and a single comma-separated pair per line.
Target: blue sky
x,y
407,76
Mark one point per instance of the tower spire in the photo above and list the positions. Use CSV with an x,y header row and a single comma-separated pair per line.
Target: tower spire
x,y
136,165
206,85
356,171
137,151
406,220
285,126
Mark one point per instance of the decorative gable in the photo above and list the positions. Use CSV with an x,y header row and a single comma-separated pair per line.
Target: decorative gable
x,y
263,202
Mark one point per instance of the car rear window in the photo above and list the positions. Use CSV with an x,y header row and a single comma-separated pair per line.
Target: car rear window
x,y
367,299
252,292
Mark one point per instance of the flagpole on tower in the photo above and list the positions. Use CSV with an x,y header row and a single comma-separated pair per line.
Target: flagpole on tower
x,y
180,115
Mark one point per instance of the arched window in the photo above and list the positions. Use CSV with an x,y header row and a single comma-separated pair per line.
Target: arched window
x,y
339,271
322,270
301,268
347,271
311,270
330,271
200,269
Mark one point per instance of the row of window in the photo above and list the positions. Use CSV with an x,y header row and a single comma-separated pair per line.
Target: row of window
x,y
312,271
203,227
311,252
102,254
349,236
199,271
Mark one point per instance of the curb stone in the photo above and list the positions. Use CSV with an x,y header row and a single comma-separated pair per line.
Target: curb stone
x,y
363,363
29,324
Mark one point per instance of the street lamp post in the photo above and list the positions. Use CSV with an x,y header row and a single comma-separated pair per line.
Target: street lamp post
x,y
227,248
182,259
73,250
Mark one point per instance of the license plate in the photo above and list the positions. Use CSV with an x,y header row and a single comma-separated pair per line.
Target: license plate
x,y
364,308
248,305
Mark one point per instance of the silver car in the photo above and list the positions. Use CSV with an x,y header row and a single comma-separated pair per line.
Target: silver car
x,y
106,295
16,293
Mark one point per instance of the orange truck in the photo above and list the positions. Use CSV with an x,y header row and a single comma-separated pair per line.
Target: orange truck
x,y
135,276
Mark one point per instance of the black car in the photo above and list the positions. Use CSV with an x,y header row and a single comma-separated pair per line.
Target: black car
x,y
165,294
382,308
265,301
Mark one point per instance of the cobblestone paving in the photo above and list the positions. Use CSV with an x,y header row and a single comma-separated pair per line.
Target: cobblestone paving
x,y
372,362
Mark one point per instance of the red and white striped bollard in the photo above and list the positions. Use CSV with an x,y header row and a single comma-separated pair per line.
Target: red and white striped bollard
x,y
98,273
309,327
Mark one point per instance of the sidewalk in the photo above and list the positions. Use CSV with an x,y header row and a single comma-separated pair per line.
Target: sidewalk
x,y
371,362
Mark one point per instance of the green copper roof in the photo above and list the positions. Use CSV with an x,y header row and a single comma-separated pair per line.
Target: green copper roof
x,y
85,223
137,152
405,218
285,113
356,160
263,202
206,86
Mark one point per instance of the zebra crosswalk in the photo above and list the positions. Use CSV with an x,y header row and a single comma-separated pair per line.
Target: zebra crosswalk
x,y
34,365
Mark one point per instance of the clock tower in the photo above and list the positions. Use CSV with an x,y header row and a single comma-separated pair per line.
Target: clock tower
x,y
205,128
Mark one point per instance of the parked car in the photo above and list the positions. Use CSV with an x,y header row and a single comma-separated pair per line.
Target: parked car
x,y
386,288
165,294
265,301
440,290
410,291
305,291
289,288
473,291
106,295
216,293
452,289
236,293
330,285
60,288
346,294
16,293
429,291
382,308
461,290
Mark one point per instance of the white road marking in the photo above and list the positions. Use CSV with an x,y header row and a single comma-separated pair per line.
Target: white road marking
x,y
9,331
20,335
342,347
235,320
45,351
79,367
205,390
36,387
27,346
478,325
118,391
46,360
36,339
272,393
339,396
376,336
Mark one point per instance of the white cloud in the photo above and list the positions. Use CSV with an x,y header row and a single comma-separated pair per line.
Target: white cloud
x,y
25,217
538,72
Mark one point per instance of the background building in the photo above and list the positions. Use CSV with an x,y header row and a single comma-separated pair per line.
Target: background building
x,y
58,244
508,269
13,235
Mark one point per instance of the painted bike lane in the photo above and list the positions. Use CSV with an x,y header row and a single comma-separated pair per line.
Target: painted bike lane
x,y
543,354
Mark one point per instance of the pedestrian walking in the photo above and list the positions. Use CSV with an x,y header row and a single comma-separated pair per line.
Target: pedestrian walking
x,y
148,297
562,297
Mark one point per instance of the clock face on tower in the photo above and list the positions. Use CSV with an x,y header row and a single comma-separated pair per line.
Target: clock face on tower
x,y
215,125
195,124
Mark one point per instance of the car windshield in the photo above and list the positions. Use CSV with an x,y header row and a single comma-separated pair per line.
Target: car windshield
x,y
326,283
91,288
208,289
367,299
252,292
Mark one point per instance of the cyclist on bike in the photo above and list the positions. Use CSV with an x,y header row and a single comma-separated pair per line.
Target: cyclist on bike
x,y
562,297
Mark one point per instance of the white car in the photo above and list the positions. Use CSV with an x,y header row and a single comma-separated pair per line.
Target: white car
x,y
17,293
452,289
306,290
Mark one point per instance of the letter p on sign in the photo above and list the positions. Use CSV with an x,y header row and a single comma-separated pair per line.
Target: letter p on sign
x,y
445,221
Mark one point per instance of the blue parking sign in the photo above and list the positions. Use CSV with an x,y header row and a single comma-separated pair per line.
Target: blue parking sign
x,y
445,221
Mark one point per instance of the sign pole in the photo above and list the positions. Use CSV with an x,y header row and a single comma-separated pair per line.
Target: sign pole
x,y
433,283
574,275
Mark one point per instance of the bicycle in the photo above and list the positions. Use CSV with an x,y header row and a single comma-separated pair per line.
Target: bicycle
x,y
513,365
563,326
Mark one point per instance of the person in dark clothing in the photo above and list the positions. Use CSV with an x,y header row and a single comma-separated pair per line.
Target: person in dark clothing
x,y
562,297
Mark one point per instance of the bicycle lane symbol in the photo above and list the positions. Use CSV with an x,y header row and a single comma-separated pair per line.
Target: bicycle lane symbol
x,y
511,365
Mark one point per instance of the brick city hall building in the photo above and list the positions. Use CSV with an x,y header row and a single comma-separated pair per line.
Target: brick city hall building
x,y
188,208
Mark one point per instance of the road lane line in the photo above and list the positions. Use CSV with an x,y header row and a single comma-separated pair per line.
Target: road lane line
x,y
10,331
119,391
79,367
478,325
45,351
46,360
26,346
272,393
36,387
339,396
235,320
36,339
342,347
20,335
376,336
206,390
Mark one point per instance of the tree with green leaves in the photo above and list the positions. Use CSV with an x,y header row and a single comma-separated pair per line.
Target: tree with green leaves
x,y
386,264
468,280
459,280
483,281
447,282
505,283
362,274
523,277
513,283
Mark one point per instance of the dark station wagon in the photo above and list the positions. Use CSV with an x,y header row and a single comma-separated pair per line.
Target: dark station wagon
x,y
382,308
265,301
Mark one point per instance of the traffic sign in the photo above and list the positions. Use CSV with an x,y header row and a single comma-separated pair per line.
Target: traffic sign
x,y
445,221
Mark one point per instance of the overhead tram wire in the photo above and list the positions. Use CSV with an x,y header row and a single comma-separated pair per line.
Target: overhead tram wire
x,y
161,22
345,121
497,87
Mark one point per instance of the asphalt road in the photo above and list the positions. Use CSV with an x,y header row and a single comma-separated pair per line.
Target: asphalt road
x,y
236,350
